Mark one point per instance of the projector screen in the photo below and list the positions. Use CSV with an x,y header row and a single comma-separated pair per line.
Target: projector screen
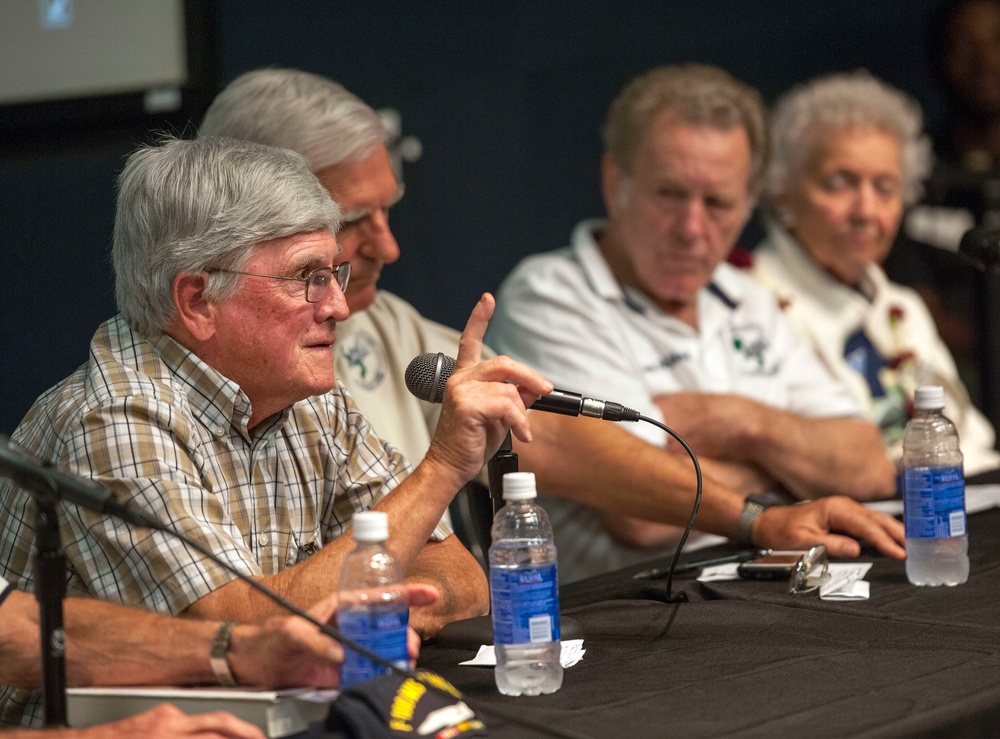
x,y
64,49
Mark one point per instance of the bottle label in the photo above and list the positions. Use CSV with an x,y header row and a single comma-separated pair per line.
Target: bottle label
x,y
934,502
525,604
380,629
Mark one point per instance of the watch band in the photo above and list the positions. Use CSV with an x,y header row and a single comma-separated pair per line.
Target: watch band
x,y
752,507
217,657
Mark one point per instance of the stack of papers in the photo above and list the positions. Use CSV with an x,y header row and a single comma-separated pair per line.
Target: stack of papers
x,y
277,713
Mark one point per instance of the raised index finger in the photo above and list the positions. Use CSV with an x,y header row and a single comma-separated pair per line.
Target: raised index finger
x,y
470,346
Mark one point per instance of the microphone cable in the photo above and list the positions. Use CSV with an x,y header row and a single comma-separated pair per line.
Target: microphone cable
x,y
680,597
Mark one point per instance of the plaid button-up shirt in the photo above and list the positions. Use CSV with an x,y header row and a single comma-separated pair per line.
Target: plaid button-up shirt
x,y
162,429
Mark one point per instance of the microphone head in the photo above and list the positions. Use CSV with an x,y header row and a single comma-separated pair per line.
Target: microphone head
x,y
427,374
981,246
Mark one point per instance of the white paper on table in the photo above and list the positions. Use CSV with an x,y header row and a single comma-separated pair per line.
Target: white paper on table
x,y
572,652
717,573
845,581
977,498
854,590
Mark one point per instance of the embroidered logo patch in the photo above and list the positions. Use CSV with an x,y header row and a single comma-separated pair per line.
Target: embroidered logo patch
x,y
365,360
751,343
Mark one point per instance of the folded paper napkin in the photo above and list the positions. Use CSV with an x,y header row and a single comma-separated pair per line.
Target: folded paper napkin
x,y
845,581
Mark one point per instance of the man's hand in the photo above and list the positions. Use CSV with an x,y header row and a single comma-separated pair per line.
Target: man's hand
x,y
482,400
162,722
807,524
290,651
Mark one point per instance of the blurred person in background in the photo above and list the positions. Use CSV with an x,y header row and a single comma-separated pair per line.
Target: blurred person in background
x,y
848,154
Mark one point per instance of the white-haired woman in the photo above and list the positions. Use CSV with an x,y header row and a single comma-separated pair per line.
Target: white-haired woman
x,y
848,156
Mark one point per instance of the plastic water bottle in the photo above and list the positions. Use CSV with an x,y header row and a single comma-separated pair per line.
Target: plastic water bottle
x,y
937,544
524,593
373,609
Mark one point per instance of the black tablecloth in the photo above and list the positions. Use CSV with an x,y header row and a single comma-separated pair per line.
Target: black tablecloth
x,y
746,658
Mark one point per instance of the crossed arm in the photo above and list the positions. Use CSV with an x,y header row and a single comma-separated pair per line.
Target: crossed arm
x,y
643,493
810,457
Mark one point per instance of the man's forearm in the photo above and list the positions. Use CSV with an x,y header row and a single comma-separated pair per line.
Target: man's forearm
x,y
815,457
811,457
145,648
106,645
462,584
608,468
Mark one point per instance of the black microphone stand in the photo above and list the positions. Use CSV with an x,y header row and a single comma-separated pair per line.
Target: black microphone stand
x,y
504,461
50,589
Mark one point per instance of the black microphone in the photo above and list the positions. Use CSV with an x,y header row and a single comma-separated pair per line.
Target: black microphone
x,y
33,474
981,246
427,374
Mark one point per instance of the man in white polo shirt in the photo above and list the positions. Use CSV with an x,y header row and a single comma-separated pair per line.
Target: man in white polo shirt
x,y
642,310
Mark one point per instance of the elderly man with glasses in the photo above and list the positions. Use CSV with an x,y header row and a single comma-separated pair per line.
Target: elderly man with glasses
x,y
211,402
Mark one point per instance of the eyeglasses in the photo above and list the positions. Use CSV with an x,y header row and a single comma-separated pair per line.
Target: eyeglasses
x,y
810,571
317,282
354,218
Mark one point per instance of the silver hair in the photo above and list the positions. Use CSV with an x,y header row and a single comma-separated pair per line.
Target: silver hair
x,y
192,206
296,110
807,114
698,94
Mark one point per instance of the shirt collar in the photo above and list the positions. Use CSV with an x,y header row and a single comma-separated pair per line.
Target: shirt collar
x,y
723,290
215,399
815,280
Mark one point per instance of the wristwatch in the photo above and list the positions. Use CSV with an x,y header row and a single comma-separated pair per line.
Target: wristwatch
x,y
217,656
752,507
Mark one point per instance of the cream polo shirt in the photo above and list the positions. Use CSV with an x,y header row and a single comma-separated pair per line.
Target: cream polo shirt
x,y
373,349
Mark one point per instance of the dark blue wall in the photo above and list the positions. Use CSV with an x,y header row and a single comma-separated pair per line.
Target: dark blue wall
x,y
507,98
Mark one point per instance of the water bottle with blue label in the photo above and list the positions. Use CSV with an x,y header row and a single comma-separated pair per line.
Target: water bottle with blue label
x,y
937,544
524,593
373,608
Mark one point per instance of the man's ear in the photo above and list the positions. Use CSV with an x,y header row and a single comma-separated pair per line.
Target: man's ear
x,y
195,312
612,180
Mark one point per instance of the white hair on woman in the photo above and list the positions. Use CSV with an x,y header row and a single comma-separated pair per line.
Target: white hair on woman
x,y
806,115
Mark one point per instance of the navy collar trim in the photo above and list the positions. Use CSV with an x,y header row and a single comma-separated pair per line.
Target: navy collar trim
x,y
726,300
